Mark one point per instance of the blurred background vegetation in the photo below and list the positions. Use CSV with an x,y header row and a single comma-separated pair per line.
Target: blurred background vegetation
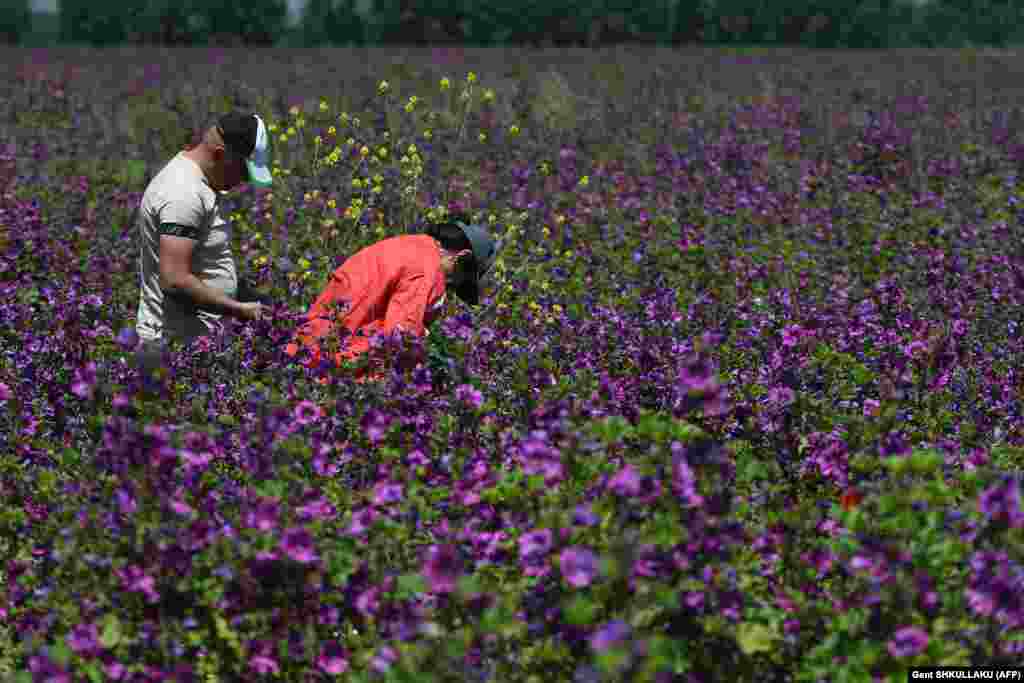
x,y
875,24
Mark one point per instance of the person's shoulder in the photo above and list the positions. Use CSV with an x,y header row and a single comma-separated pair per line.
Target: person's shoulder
x,y
179,181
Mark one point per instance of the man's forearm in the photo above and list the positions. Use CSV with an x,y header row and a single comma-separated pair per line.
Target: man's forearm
x,y
202,296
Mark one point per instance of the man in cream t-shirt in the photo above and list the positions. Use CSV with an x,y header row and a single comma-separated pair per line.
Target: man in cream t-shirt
x,y
186,269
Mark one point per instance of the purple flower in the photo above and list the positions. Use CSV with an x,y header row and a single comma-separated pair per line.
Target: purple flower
x,y
306,413
791,335
685,482
383,660
626,481
469,394
319,508
610,635
908,642
584,516
85,381
578,565
5,392
135,580
127,338
114,670
263,665
332,660
263,516
385,493
781,396
84,639
197,460
441,568
361,521
1001,503
297,543
534,544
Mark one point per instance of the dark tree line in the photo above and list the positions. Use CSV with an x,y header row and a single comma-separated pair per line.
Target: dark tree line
x,y
810,23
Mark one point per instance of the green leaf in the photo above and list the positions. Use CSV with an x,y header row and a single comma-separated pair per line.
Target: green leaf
x,y
92,670
411,584
581,610
110,635
60,653
754,638
272,488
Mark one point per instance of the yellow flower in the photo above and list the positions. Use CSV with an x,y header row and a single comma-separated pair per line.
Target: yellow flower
x,y
257,237
584,181
547,231
331,204
567,254
364,151
427,134
332,130
303,263
483,137
383,87
513,130
323,105
556,308
411,149
534,305
291,130
403,160
377,189
488,95
408,108
283,138
559,219
308,197
317,139
471,77
294,111
382,152
272,128
344,117
445,83
357,183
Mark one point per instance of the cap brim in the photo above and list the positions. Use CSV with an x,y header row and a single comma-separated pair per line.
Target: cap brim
x,y
258,164
259,175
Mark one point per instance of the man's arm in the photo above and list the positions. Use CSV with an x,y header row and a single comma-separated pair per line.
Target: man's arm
x,y
177,280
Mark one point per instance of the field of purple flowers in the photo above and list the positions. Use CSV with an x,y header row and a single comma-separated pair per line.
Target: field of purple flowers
x,y
742,403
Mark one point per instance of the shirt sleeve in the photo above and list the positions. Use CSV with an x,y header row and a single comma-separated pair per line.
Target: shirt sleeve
x,y
407,307
181,219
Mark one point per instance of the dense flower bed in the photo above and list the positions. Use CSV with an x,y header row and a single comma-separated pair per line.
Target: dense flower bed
x,y
705,427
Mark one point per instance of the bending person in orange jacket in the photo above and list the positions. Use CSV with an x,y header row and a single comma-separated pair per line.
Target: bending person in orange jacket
x,y
397,283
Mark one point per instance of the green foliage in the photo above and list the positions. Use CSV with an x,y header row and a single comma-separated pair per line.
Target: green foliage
x,y
332,22
15,21
191,22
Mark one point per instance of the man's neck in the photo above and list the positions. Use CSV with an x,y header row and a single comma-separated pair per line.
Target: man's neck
x,y
197,159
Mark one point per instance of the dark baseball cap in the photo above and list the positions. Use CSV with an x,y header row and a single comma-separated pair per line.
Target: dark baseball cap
x,y
485,251
245,135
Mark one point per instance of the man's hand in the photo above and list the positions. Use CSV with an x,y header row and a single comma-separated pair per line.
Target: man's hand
x,y
252,310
